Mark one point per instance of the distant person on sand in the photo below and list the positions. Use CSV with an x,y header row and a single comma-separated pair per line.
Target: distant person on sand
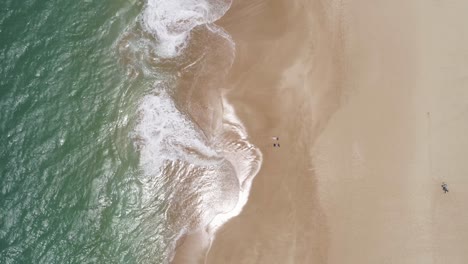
x,y
276,144
444,187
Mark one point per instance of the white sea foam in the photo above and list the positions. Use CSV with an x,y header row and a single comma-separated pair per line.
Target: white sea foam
x,y
204,181
171,21
164,135
245,158
165,132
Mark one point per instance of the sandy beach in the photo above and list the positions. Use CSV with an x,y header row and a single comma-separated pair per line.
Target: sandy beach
x,y
369,100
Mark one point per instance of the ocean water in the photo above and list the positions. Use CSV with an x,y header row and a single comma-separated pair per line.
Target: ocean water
x,y
116,138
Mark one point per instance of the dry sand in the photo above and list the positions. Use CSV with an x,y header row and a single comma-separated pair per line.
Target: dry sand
x,y
401,133
370,101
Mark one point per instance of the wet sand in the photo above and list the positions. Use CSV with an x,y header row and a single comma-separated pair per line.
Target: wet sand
x,y
286,82
370,101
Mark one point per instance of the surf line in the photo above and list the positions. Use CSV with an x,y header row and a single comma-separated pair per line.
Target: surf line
x,y
170,22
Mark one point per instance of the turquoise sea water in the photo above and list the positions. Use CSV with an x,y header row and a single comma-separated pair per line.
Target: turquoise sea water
x,y
68,187
115,138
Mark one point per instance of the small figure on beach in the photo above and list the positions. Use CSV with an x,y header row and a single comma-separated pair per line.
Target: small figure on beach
x,y
444,187
276,144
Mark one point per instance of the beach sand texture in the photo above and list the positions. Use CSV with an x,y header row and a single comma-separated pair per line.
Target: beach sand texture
x,y
370,101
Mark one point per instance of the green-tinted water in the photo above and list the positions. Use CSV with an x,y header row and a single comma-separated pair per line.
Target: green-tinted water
x,y
68,186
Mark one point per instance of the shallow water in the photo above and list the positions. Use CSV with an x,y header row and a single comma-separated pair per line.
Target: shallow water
x,y
115,135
